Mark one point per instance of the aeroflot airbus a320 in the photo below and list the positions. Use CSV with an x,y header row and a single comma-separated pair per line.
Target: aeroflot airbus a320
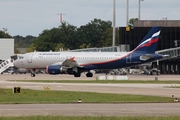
x,y
77,62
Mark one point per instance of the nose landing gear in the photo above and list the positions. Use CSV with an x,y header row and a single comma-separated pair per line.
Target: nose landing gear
x,y
33,73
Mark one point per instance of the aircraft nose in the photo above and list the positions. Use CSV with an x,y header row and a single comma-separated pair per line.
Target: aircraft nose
x,y
15,63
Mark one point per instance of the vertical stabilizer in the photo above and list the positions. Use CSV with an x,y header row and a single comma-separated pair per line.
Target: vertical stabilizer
x,y
149,42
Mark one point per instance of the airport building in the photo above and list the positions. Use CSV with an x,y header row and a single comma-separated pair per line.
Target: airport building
x,y
6,48
169,39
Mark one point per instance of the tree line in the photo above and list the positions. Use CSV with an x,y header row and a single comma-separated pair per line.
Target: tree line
x,y
96,33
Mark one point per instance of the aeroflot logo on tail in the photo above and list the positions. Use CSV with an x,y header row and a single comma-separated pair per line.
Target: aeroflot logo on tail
x,y
151,40
49,53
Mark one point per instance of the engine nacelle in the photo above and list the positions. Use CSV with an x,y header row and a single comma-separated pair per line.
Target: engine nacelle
x,y
55,69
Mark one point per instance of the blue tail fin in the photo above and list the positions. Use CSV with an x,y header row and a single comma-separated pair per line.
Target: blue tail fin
x,y
149,42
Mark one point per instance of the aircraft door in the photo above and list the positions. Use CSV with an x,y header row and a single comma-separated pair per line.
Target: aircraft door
x,y
132,58
29,60
128,58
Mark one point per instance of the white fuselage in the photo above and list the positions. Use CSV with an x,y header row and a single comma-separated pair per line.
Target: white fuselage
x,y
43,59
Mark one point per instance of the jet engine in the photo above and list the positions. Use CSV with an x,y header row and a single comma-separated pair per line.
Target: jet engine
x,y
55,69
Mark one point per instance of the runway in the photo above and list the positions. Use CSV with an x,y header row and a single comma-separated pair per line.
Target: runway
x,y
140,89
150,109
133,109
83,77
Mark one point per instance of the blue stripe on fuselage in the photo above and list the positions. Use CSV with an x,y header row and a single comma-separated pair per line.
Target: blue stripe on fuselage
x,y
121,63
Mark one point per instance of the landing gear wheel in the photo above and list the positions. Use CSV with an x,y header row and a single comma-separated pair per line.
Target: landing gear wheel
x,y
89,74
77,74
33,72
33,75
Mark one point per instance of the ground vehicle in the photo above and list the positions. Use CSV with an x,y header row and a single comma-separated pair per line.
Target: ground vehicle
x,y
9,70
21,70
154,71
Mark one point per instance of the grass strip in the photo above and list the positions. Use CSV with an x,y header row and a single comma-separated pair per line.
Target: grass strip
x,y
42,96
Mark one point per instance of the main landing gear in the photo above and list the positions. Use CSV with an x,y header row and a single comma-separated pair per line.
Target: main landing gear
x,y
89,74
77,74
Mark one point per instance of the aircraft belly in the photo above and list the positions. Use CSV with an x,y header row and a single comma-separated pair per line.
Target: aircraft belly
x,y
115,64
112,65
39,64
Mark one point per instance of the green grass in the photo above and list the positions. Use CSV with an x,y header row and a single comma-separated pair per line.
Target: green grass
x,y
41,96
104,81
91,118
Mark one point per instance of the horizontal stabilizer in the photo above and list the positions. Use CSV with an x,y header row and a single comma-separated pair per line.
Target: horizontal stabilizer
x,y
146,57
165,56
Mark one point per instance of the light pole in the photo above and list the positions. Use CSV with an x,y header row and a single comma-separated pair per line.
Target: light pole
x,y
114,22
127,13
139,7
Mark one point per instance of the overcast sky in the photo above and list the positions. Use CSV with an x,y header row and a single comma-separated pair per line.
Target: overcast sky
x,y
31,17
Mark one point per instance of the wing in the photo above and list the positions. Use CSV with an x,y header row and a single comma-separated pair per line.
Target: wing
x,y
71,63
68,63
68,66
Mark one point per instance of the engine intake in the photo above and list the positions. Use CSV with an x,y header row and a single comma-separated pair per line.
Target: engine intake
x,y
55,69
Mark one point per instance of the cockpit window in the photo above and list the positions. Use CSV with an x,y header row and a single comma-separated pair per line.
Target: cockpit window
x,y
20,57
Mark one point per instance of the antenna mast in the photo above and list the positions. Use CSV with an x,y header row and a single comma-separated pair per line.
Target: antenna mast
x,y
61,15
